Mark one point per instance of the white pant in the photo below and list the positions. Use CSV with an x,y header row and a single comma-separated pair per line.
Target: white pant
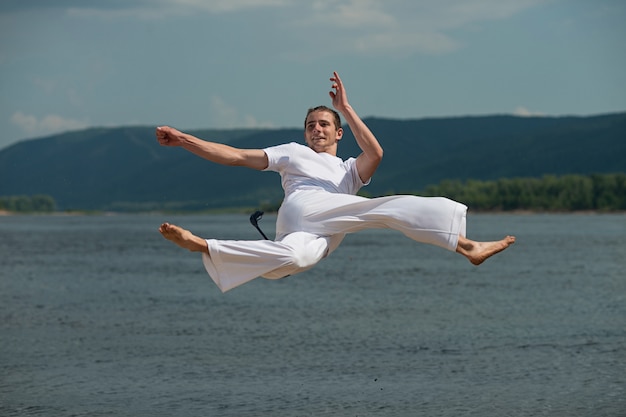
x,y
311,224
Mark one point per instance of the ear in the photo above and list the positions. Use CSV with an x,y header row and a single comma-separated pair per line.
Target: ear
x,y
339,133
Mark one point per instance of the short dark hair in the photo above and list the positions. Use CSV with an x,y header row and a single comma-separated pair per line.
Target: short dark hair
x,y
336,116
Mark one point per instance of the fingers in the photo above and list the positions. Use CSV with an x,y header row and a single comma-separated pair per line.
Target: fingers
x,y
336,78
161,135
338,97
164,134
337,84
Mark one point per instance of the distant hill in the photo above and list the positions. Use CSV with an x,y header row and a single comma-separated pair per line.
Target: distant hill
x,y
125,169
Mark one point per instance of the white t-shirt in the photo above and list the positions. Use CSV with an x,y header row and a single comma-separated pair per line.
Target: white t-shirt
x,y
301,168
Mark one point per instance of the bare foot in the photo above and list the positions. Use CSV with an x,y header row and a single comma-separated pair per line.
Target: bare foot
x,y
183,238
479,252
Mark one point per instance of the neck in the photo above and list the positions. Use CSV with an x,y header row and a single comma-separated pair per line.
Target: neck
x,y
331,150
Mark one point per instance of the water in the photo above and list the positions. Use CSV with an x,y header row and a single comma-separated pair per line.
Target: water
x,y
101,316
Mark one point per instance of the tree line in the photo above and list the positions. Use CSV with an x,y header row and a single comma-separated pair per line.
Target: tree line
x,y
28,204
598,192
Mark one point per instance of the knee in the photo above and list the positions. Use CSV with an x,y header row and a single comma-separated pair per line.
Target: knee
x,y
303,250
308,254
303,258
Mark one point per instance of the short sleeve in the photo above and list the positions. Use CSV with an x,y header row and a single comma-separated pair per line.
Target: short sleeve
x,y
356,178
278,156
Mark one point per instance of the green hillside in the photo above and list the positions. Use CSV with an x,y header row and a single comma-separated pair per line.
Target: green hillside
x,y
125,168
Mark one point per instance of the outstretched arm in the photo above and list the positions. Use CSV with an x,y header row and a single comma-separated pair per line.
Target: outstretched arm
x,y
372,154
214,152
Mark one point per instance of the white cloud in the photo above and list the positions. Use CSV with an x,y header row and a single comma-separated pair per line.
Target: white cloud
x,y
460,12
159,9
372,27
225,116
47,125
350,13
218,6
524,112
345,13
252,122
222,114
391,27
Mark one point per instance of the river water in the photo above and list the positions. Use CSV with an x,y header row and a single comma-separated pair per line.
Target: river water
x,y
101,316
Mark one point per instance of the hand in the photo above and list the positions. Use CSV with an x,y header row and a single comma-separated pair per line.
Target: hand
x,y
339,97
168,136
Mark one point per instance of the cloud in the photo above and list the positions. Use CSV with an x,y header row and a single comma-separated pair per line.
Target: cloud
x,y
217,6
222,114
358,27
392,27
524,112
142,9
160,9
460,12
346,13
350,13
47,125
225,116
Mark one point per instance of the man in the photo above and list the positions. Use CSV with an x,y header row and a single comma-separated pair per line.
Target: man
x,y
320,204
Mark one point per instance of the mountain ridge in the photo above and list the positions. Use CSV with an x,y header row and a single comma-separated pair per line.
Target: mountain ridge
x,y
124,168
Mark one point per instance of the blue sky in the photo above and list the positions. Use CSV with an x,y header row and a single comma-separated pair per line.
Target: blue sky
x,y
71,64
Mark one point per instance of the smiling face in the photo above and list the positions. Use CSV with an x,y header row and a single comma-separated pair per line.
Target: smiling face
x,y
321,133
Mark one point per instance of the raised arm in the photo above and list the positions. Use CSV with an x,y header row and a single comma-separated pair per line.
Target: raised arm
x,y
372,154
214,152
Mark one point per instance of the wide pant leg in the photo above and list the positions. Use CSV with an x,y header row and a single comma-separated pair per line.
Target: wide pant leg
x,y
231,263
434,220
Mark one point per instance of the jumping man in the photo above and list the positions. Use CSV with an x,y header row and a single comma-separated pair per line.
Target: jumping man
x,y
320,205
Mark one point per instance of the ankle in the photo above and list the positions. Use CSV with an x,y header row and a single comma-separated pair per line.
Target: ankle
x,y
464,245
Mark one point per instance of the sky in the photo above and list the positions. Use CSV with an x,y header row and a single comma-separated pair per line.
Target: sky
x,y
194,64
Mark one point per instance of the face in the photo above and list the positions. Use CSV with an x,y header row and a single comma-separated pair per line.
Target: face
x,y
320,132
